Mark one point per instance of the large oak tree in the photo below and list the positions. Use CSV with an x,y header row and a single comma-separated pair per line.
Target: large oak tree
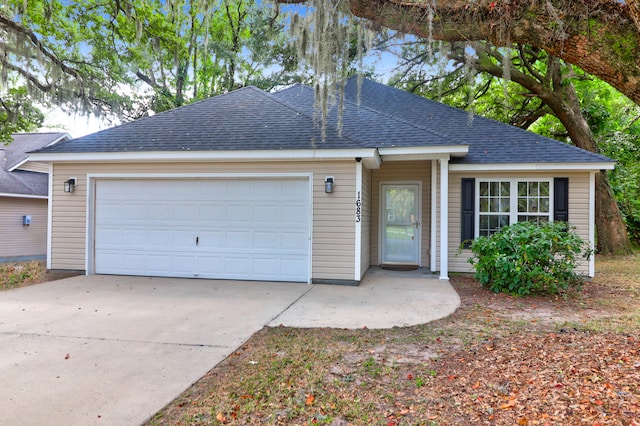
x,y
600,36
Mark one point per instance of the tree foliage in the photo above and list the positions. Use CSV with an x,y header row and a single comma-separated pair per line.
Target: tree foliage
x,y
601,37
120,59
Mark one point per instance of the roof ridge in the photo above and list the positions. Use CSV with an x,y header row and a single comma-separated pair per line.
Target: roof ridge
x,y
399,119
313,120
389,116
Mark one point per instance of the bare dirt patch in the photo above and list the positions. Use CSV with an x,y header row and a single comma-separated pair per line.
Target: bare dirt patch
x,y
499,360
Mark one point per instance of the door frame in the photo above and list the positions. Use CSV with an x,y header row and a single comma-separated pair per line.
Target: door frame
x,y
91,202
381,239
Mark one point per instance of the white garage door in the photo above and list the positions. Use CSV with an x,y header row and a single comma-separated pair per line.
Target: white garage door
x,y
250,229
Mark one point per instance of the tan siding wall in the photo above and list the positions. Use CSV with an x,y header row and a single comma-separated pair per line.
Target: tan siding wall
x,y
401,171
578,210
365,211
34,166
17,240
333,233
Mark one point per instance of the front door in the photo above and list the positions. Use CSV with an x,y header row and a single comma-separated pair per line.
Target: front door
x,y
400,223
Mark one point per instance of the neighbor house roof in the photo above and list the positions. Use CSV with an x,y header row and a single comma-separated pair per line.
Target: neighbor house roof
x,y
374,117
21,182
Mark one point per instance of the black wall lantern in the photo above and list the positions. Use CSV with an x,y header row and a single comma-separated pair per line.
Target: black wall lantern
x,y
70,185
329,181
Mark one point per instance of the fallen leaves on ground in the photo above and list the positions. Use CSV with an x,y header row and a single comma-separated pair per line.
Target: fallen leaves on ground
x,y
499,360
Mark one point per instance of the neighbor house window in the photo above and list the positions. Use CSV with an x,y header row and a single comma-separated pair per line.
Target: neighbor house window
x,y
502,202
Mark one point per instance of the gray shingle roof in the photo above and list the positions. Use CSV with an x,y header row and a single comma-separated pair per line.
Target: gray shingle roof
x,y
489,141
379,117
375,128
22,182
246,119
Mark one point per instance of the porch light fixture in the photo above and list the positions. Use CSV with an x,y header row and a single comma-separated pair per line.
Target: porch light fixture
x,y
328,184
70,185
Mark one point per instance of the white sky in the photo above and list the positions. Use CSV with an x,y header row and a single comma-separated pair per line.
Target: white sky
x,y
76,125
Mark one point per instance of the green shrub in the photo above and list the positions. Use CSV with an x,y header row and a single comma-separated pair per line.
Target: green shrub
x,y
526,258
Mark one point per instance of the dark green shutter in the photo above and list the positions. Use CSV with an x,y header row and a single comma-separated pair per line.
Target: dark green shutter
x,y
561,199
468,211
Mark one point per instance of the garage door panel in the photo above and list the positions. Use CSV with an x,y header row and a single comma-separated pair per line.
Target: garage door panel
x,y
184,265
159,264
255,229
266,266
239,214
267,214
211,214
293,241
295,215
160,237
263,240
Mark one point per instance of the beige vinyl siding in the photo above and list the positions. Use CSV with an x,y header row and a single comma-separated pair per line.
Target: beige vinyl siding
x,y
333,234
402,171
578,209
17,240
35,166
365,218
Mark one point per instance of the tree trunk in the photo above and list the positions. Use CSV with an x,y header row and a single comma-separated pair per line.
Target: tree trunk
x,y
611,230
559,94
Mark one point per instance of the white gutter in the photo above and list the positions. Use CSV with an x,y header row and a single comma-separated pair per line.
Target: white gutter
x,y
187,155
7,194
520,167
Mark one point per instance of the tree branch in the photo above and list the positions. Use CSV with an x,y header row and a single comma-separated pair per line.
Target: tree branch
x,y
600,36
37,44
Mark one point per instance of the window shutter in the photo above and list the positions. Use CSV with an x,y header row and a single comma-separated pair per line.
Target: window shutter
x,y
468,211
561,199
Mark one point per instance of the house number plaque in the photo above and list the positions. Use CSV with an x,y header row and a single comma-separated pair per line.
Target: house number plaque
x,y
358,208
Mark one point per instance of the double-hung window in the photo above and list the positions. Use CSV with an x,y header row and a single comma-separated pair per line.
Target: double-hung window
x,y
501,202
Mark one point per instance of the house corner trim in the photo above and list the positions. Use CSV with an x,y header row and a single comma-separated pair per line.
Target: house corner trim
x,y
358,223
444,219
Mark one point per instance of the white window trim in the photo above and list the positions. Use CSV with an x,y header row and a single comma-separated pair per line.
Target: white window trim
x,y
513,199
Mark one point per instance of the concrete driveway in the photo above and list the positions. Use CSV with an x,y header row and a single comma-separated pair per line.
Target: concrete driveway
x,y
114,350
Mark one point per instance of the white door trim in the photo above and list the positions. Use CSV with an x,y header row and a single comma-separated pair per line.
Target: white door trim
x,y
91,200
381,221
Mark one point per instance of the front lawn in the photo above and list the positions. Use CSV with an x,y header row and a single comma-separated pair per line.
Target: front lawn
x,y
500,360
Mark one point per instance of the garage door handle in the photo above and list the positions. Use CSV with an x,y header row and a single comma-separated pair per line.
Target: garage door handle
x,y
197,240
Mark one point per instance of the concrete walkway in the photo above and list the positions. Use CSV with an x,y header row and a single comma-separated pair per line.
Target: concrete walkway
x,y
113,350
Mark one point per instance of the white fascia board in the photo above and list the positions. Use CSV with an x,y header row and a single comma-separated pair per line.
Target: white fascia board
x,y
63,137
373,162
423,152
235,156
520,167
39,197
18,164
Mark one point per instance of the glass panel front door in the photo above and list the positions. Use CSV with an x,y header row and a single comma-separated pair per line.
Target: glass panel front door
x,y
400,224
